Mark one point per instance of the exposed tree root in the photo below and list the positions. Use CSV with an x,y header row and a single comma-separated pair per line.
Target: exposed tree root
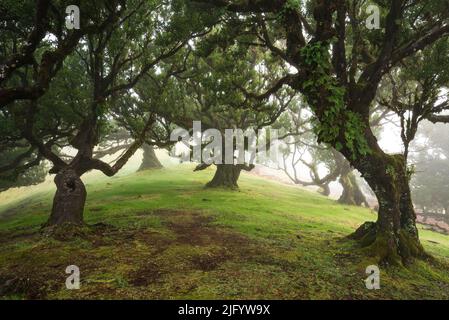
x,y
390,248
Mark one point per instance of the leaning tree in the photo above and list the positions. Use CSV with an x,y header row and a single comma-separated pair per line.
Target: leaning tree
x,y
337,64
91,91
34,44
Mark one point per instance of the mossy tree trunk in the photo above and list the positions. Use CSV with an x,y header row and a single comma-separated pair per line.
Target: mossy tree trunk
x,y
352,194
149,160
394,237
340,93
69,200
226,176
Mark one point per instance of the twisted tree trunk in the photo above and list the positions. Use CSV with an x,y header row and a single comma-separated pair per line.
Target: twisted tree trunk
x,y
69,200
226,176
352,194
149,160
394,237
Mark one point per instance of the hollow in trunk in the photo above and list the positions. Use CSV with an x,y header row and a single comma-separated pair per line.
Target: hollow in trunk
x,y
69,200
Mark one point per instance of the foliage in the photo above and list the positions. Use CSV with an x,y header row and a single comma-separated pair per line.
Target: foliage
x,y
336,119
18,178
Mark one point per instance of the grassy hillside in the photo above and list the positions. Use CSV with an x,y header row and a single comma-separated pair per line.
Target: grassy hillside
x,y
160,235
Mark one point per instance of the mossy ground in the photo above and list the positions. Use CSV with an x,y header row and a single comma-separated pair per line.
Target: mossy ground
x,y
161,235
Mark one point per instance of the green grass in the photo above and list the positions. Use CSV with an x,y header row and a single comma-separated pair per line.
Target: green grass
x,y
161,235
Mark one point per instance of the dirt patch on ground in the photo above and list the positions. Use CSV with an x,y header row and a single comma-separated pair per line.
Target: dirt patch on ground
x,y
139,257
40,270
197,229
28,285
147,274
210,261
211,246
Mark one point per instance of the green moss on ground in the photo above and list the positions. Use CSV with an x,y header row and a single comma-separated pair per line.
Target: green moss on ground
x,y
161,235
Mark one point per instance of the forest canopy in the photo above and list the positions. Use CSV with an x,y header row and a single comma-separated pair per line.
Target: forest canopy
x,y
134,71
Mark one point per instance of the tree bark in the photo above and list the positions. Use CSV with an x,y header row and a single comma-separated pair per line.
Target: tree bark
x,y
69,200
352,194
149,160
226,176
394,237
324,189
